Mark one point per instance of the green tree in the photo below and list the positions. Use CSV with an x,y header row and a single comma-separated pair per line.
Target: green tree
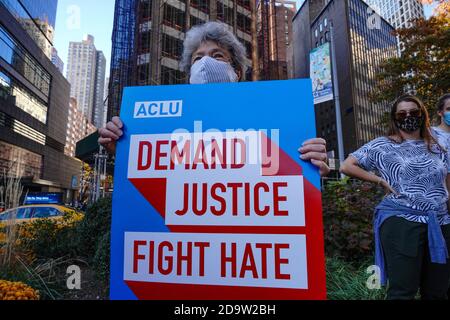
x,y
423,66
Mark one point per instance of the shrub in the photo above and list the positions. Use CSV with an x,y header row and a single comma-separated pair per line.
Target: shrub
x,y
93,228
50,238
101,260
348,207
93,237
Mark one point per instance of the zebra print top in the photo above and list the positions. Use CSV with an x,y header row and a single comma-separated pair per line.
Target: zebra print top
x,y
417,175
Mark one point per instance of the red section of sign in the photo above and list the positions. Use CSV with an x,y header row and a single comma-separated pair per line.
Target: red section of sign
x,y
315,261
154,191
314,241
167,291
285,166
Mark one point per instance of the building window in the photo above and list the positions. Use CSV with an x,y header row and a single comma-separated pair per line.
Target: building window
x,y
195,21
225,13
21,128
145,10
174,17
244,23
202,5
23,62
244,3
34,25
248,48
19,162
171,47
12,90
172,76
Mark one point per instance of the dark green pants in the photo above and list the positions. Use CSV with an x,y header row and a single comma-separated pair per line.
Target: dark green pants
x,y
408,264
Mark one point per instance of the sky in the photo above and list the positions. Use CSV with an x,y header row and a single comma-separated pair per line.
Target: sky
x,y
76,18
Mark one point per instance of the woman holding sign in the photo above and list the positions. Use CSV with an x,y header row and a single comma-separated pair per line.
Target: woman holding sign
x,y
213,54
411,224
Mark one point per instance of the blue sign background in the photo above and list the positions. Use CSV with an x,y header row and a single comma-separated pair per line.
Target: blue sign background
x,y
285,105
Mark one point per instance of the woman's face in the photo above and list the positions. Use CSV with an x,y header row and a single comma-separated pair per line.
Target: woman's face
x,y
408,116
213,50
445,109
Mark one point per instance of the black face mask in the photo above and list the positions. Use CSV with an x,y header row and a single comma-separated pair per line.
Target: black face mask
x,y
410,123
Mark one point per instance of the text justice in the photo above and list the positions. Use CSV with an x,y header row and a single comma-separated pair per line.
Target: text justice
x,y
204,198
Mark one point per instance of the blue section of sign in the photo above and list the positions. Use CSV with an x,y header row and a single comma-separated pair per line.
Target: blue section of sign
x,y
284,105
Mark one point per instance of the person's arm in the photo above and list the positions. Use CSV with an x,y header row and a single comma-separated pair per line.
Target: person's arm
x,y
350,167
110,134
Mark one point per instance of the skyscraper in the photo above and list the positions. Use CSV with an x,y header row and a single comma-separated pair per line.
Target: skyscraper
x,y
56,60
274,29
87,79
78,127
148,39
398,13
358,51
98,109
34,100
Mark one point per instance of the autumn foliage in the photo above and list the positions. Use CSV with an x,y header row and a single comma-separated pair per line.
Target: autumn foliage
x,y
424,65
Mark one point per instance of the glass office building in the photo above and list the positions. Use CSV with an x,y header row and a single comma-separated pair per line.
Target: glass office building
x,y
37,18
34,101
370,47
360,48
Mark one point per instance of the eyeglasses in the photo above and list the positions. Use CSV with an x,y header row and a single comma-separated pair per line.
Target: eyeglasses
x,y
403,114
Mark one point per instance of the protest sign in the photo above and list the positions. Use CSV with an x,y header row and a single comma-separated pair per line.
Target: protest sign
x,y
211,199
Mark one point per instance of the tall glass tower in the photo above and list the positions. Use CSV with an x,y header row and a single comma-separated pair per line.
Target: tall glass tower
x,y
34,101
37,18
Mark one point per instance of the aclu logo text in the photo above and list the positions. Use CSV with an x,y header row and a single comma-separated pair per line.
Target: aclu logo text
x,y
158,109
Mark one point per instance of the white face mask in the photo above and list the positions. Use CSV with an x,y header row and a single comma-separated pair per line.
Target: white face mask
x,y
210,70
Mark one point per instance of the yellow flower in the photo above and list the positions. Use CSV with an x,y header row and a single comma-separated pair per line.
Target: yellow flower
x,y
17,291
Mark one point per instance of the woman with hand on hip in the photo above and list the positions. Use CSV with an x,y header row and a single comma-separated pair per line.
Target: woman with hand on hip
x,y
411,224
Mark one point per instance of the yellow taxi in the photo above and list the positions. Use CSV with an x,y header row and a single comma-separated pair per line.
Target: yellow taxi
x,y
29,213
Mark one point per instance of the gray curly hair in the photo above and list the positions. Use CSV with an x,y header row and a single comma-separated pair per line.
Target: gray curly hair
x,y
217,32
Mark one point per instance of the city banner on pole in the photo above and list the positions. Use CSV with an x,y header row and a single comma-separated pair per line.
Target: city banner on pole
x,y
320,73
211,199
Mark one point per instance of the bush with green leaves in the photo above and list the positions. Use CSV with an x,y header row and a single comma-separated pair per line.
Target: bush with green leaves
x,y
87,239
50,238
92,230
348,208
101,259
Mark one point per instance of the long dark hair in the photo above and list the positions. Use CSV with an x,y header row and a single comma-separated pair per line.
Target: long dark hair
x,y
425,129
